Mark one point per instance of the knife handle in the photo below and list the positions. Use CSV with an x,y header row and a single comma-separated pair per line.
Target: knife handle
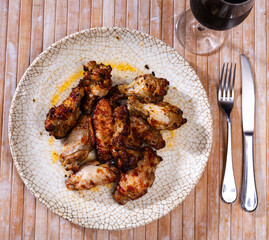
x,y
249,198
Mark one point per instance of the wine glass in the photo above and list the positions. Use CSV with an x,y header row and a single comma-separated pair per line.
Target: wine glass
x,y
200,29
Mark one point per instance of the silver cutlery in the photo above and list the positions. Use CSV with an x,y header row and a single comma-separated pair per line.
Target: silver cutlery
x,y
249,198
226,102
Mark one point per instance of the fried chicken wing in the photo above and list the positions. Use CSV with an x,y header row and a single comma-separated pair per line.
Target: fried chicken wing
x,y
146,87
60,120
90,176
125,152
146,133
103,126
78,145
97,83
162,115
135,183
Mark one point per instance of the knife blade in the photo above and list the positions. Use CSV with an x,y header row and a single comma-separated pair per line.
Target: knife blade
x,y
248,95
249,199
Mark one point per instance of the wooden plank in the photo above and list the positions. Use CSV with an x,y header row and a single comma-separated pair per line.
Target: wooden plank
x,y
9,89
213,177
120,13
236,211
132,8
90,234
97,13
108,13
3,46
143,17
73,16
114,235
3,41
249,51
156,18
16,221
61,19
260,118
267,120
85,14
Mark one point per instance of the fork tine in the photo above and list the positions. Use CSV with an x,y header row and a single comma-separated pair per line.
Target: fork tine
x,y
220,84
233,81
229,81
225,82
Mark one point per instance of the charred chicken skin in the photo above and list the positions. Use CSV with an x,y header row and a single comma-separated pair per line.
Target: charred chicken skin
x,y
146,133
60,120
147,87
162,115
97,83
135,183
124,149
78,144
103,126
90,176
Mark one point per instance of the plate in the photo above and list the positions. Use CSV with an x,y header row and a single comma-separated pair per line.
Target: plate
x,y
48,81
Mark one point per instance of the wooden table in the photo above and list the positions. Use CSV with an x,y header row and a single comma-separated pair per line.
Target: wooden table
x,y
27,27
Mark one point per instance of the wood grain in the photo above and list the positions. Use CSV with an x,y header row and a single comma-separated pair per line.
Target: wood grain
x,y
29,26
9,89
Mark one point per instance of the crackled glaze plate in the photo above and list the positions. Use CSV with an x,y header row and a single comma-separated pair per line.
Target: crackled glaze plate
x,y
49,80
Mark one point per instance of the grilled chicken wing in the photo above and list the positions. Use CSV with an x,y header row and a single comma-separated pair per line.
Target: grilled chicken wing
x,y
125,152
146,133
146,87
103,126
78,145
115,95
60,120
90,176
162,115
135,183
97,83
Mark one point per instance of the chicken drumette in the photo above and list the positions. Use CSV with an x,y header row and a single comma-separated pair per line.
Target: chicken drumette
x,y
135,183
78,145
97,83
146,87
90,176
60,120
103,126
124,147
146,133
162,115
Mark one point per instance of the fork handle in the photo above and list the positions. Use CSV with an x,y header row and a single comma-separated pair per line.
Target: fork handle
x,y
249,198
228,185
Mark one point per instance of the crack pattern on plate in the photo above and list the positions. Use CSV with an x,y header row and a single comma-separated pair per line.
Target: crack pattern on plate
x,y
185,155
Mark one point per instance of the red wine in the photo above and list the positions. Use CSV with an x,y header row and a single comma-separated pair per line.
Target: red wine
x,y
221,14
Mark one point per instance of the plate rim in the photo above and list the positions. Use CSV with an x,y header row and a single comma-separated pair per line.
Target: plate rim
x,y
64,39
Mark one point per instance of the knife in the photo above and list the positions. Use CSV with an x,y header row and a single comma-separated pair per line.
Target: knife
x,y
249,198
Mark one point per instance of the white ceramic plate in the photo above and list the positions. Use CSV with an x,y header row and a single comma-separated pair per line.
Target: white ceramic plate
x,y
48,81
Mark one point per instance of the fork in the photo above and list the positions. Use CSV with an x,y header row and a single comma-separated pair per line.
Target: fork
x,y
226,102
